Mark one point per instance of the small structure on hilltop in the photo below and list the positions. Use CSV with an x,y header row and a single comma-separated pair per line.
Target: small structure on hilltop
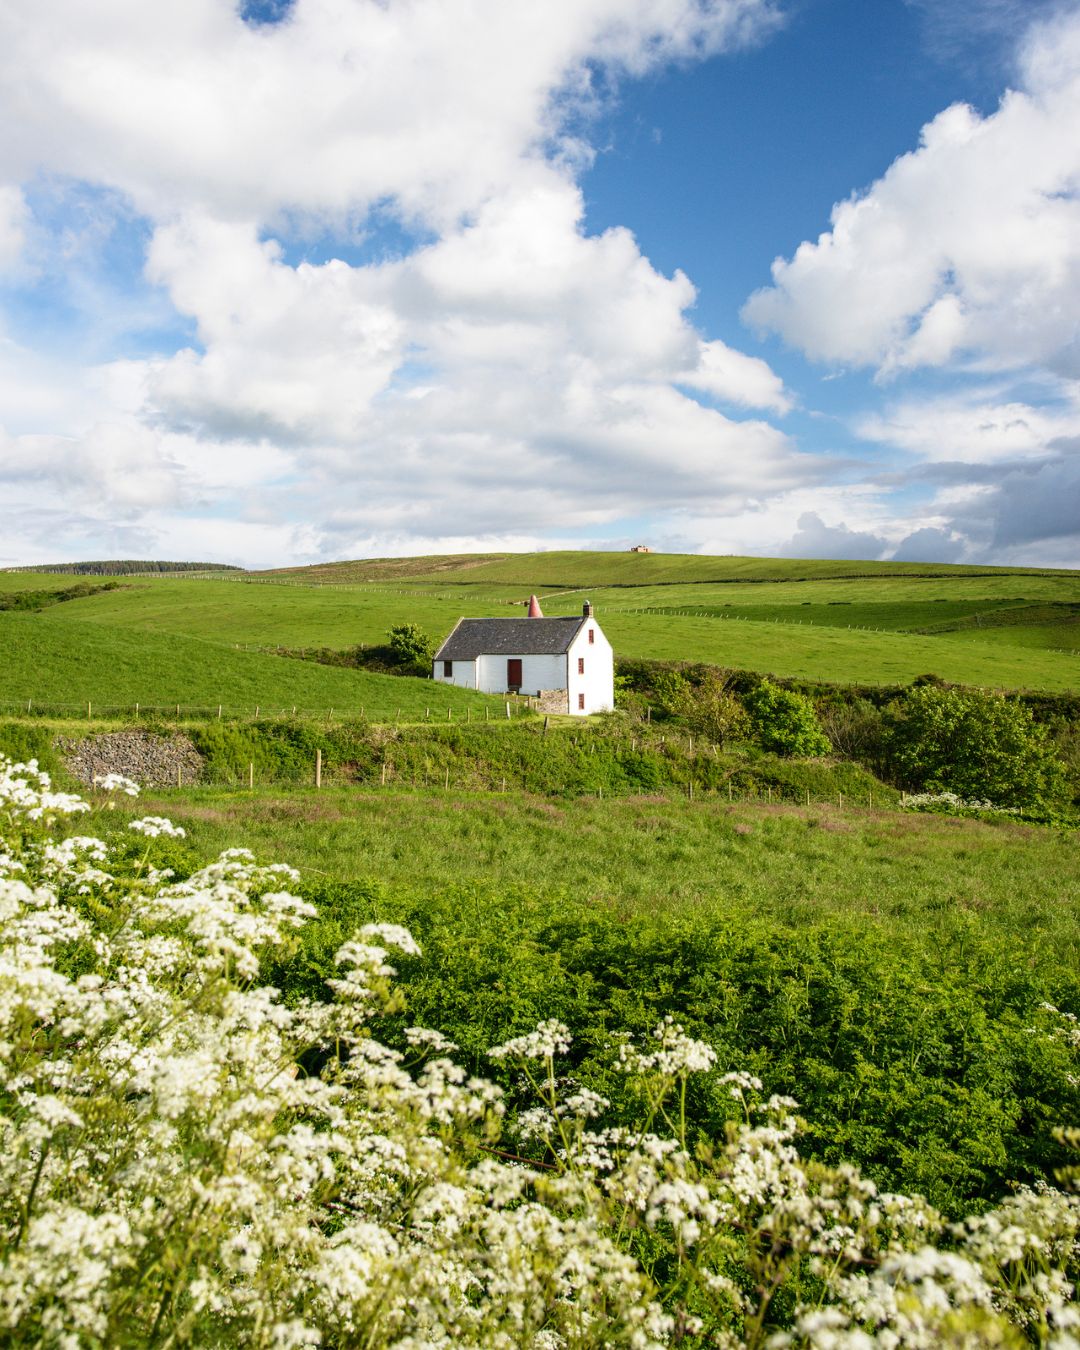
x,y
565,663
640,548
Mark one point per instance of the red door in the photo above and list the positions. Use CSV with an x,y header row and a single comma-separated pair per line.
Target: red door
x,y
513,673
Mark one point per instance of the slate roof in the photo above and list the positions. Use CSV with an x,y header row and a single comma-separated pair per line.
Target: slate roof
x,y
509,637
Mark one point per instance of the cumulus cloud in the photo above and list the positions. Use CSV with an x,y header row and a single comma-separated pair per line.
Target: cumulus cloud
x,y
971,428
433,104
510,375
815,539
968,248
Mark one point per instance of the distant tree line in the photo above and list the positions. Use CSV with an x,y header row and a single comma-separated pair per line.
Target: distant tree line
x,y
125,566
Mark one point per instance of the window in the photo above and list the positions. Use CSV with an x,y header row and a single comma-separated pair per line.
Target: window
x,y
447,669
581,665
592,636
581,702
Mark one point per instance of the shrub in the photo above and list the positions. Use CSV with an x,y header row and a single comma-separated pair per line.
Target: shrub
x,y
411,648
711,709
856,730
785,722
978,745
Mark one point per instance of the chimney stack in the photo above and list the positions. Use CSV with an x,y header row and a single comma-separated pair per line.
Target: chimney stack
x,y
586,610
535,612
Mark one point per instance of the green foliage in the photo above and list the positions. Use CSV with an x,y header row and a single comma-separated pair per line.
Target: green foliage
x,y
24,741
712,709
978,745
411,647
916,1065
856,730
34,600
785,722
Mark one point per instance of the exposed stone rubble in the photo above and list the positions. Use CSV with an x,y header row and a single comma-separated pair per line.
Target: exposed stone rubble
x,y
152,761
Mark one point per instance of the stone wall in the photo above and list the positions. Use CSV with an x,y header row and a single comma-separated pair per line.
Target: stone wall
x,y
153,761
551,701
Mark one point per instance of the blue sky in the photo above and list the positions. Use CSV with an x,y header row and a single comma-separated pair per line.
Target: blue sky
x,y
337,278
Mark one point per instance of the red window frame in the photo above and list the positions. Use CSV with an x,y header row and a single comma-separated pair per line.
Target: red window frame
x,y
581,702
581,665
592,636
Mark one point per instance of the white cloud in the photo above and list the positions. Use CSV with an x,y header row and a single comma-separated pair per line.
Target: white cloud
x,y
516,374
971,428
737,378
513,375
13,220
968,246
433,103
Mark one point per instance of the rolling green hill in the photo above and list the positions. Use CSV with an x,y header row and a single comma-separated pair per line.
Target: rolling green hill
x,y
72,663
831,621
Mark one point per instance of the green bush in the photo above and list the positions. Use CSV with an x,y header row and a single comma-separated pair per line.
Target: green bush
x,y
411,648
711,709
785,722
979,745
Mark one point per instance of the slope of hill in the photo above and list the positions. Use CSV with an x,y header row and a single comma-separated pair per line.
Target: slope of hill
x,y
74,662
997,628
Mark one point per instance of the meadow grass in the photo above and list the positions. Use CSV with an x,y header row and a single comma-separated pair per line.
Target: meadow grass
x,y
886,970
910,875
71,663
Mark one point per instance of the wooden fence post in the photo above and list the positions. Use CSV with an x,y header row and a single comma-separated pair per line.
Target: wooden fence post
x,y
546,721
446,785
178,712
251,777
179,776
318,768
508,710
383,773
219,712
88,708
256,712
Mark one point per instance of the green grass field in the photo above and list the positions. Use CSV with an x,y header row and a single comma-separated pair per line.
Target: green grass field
x,y
904,873
71,662
839,622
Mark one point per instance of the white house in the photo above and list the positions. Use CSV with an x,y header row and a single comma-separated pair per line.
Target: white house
x,y
567,662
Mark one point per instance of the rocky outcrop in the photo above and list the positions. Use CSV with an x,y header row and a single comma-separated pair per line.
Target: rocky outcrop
x,y
153,761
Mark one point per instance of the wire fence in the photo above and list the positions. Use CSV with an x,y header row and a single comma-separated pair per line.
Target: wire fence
x,y
92,711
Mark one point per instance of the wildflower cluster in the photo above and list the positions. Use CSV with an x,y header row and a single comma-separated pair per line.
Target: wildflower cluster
x,y
184,1159
950,803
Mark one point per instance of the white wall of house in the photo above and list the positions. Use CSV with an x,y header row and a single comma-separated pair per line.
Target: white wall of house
x,y
591,688
591,667
462,673
537,672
